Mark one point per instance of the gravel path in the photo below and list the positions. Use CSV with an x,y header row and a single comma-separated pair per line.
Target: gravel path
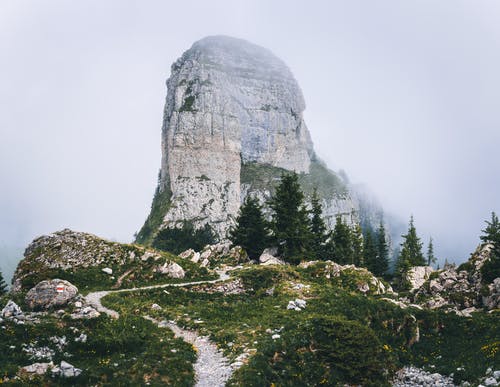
x,y
211,369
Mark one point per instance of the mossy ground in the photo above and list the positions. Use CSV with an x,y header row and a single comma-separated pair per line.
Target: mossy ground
x,y
129,351
309,354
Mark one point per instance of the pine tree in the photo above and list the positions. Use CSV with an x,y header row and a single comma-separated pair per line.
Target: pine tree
x,y
290,221
411,248
382,265
357,240
340,242
491,268
370,251
3,285
319,236
431,259
251,231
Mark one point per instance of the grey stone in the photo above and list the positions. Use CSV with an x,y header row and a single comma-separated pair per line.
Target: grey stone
x,y
172,270
11,310
107,270
231,102
51,293
37,368
491,381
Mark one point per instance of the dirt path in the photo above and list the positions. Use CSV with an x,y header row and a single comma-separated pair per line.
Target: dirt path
x,y
211,369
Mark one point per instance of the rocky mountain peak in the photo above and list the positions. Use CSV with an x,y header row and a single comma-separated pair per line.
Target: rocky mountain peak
x,y
232,105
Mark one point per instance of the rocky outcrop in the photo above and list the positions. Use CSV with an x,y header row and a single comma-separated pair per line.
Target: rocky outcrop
x,y
268,257
233,122
50,294
417,275
460,288
105,263
215,255
363,279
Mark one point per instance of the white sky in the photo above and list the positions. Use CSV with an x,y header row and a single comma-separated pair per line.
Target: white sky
x,y
403,95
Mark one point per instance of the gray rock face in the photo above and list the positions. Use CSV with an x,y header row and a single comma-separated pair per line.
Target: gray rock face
x,y
229,104
51,293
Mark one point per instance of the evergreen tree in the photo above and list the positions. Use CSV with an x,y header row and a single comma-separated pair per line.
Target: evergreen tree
x,y
370,251
340,242
3,285
491,268
357,257
251,231
319,236
382,266
431,259
290,221
411,248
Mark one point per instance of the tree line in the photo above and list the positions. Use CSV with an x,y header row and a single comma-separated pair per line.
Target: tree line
x,y
300,233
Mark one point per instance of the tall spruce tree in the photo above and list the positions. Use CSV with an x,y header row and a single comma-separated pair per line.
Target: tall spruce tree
x,y
411,248
357,257
340,242
370,251
431,258
3,285
252,230
491,234
290,220
319,235
382,266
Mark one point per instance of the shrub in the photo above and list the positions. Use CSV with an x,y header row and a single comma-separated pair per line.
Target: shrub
x,y
177,240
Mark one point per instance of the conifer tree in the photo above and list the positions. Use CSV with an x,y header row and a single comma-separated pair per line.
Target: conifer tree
x,y
357,257
340,242
382,266
251,231
319,236
3,285
411,248
431,259
370,251
290,220
491,234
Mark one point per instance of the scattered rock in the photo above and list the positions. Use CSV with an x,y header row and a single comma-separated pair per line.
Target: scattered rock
x,y
81,339
417,275
416,377
187,254
297,304
12,311
66,370
172,270
36,368
88,312
51,293
107,270
232,287
268,257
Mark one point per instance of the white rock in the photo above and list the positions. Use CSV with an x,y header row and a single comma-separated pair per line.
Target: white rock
x,y
172,270
275,336
195,258
66,370
187,254
417,275
37,368
490,382
156,307
107,270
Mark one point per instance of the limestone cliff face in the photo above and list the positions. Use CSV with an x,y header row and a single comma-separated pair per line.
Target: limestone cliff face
x,y
231,105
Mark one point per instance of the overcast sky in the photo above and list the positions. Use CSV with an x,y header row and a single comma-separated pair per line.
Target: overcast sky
x,y
403,95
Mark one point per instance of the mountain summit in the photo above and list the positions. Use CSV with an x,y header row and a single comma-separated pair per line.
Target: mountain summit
x,y
233,122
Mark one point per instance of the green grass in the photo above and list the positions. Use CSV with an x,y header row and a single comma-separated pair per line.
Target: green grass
x,y
128,351
312,349
140,273
159,208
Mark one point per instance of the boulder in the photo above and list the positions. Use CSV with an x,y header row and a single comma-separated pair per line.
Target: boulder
x,y
187,254
297,304
268,258
11,310
417,275
172,270
107,270
36,368
66,370
51,293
